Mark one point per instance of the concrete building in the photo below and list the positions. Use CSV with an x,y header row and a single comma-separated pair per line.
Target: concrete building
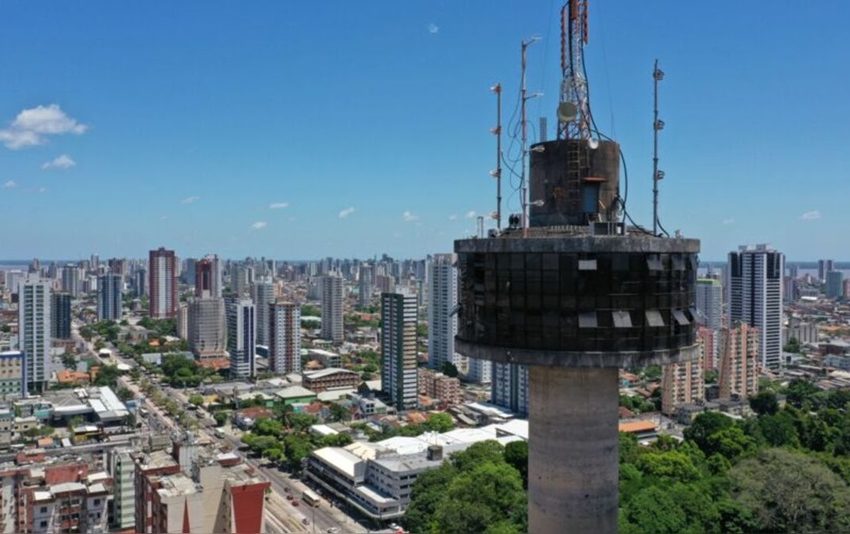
x,y
162,266
110,297
479,371
802,331
364,286
384,283
62,498
376,479
34,331
60,316
834,284
140,282
442,316
122,466
263,297
683,383
71,280
284,337
241,337
208,282
325,357
182,320
709,297
330,378
710,340
438,386
740,359
398,345
207,328
824,267
331,298
509,387
13,374
150,468
755,297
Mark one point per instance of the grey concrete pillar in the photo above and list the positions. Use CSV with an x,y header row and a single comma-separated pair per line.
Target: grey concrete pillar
x,y
573,450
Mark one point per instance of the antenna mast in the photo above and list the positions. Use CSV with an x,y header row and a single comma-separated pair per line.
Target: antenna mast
x,y
524,97
574,119
497,172
657,126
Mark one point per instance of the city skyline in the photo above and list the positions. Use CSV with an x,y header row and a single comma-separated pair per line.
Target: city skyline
x,y
182,128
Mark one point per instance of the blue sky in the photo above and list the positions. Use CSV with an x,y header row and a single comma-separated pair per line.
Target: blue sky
x,y
183,123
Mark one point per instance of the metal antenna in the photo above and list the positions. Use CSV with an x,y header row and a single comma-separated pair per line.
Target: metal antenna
x,y
497,172
524,97
657,125
574,118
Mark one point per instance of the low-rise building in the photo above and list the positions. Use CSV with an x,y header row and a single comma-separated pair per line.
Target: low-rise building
x,y
330,378
439,386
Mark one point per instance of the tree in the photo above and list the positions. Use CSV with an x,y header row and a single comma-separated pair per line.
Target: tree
x,y
516,455
69,361
339,412
221,418
800,391
703,426
793,346
671,465
124,394
730,442
439,422
779,430
449,369
297,448
196,399
764,403
711,376
107,375
426,496
789,492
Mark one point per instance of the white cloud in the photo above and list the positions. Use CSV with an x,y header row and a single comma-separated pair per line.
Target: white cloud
x,y
433,29
61,162
190,200
409,217
346,212
730,220
32,126
453,217
810,216
278,205
42,190
9,184
259,225
471,214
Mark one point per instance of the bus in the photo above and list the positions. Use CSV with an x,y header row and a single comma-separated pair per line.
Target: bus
x,y
310,497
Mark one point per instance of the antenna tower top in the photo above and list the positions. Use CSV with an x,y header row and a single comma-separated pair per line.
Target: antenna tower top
x,y
574,118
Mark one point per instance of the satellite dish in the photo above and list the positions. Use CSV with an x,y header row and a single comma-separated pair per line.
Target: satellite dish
x,y
567,111
593,143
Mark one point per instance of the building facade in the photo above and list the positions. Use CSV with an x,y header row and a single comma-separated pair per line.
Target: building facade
x,y
709,293
284,337
509,387
162,266
739,362
755,297
398,344
241,337
834,284
442,319
207,328
683,383
34,331
110,297
331,297
263,297
60,316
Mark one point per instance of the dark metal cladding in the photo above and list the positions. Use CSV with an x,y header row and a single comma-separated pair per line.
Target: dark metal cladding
x,y
577,301
573,184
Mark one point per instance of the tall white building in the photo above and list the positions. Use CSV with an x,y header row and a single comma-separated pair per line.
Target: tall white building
x,y
755,297
509,387
284,337
442,321
399,377
709,303
263,297
34,331
207,328
110,292
241,337
71,280
330,289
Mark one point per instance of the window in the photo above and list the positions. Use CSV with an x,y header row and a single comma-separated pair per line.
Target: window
x,y
587,320
586,265
681,318
622,319
654,319
43,509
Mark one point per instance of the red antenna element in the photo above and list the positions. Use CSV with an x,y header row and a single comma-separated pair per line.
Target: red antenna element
x,y
574,118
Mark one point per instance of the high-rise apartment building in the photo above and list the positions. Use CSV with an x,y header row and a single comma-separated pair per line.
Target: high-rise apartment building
x,y
140,282
330,288
442,317
241,337
834,284
207,328
34,331
824,267
263,297
110,293
162,266
509,387
683,383
709,303
755,297
71,280
60,316
398,345
479,371
284,337
739,361
365,286
208,277
710,340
